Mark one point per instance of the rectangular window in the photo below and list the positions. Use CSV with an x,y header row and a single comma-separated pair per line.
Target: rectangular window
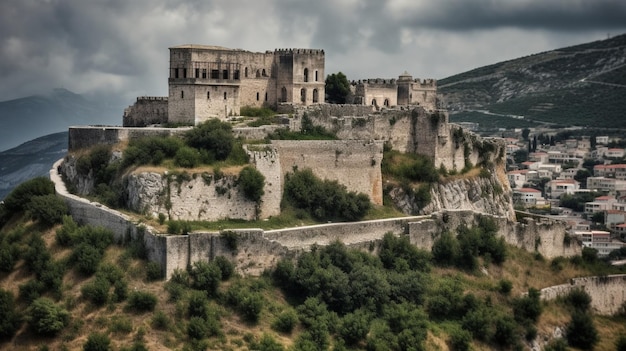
x,y
184,73
225,74
197,73
236,74
175,72
215,74
204,73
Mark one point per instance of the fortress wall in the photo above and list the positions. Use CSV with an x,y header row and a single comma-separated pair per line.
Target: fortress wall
x,y
194,197
256,133
214,102
349,233
608,293
353,163
88,136
262,85
180,107
145,111
267,161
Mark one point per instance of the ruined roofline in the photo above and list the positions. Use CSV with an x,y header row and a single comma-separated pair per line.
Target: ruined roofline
x,y
425,81
152,98
204,47
299,51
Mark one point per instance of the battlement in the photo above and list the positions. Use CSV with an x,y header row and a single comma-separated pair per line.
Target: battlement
x,y
373,81
428,82
151,98
292,51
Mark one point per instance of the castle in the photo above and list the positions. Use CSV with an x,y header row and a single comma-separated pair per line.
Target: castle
x,y
207,82
215,82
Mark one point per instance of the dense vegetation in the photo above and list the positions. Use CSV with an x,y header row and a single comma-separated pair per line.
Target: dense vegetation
x,y
323,199
76,288
337,88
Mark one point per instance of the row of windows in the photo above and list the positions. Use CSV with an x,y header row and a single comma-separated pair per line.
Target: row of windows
x,y
204,73
208,95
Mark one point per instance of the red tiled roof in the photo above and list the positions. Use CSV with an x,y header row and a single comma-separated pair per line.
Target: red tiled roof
x,y
529,190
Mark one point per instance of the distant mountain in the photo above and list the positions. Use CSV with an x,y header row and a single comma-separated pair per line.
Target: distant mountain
x,y
582,85
30,117
29,160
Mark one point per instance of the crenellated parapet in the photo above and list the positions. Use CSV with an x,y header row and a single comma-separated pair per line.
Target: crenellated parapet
x,y
297,51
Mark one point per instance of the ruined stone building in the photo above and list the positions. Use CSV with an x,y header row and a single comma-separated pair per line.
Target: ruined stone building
x,y
215,82
396,92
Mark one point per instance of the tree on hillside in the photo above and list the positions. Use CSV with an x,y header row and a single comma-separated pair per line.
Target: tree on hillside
x,y
337,88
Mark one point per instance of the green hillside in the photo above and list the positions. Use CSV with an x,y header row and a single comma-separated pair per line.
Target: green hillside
x,y
582,85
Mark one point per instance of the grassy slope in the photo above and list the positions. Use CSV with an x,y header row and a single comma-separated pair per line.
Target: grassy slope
x,y
522,269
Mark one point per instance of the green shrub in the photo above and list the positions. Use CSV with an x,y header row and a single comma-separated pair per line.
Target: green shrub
x,y
578,299
37,255
46,318
231,239
528,308
141,301
66,235
205,276
505,286
620,344
226,267
120,324
323,199
49,209
31,290
354,327
197,329
153,271
120,290
285,322
109,272
97,342
214,136
268,343
252,183
161,321
187,157
86,258
9,254
581,332
446,249
96,291
10,321
20,197
460,339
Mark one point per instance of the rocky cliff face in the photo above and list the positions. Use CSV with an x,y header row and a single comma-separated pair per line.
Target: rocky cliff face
x,y
486,194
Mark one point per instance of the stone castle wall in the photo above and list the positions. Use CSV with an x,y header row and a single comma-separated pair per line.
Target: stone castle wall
x,y
147,110
191,197
608,293
258,250
88,136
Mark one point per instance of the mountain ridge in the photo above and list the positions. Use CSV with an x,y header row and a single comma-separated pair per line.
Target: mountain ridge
x,y
577,85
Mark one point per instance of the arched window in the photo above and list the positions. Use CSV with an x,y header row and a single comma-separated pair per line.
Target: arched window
x,y
264,74
245,72
303,95
315,95
306,74
316,78
283,94
386,103
374,102
208,95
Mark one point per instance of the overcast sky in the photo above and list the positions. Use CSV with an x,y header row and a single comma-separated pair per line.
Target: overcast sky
x,y
121,46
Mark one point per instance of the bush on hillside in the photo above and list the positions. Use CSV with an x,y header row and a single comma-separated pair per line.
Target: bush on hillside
x,y
141,301
46,318
323,199
97,342
252,183
20,197
48,209
214,136
10,321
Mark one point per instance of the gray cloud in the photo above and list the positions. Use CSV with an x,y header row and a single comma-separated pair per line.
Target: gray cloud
x,y
120,46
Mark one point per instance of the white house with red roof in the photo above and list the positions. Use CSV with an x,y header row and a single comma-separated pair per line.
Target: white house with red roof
x,y
528,197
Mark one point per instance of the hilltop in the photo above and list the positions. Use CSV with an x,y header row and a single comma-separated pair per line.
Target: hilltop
x,y
581,85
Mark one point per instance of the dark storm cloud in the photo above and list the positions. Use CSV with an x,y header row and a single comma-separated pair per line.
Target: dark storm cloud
x,y
121,46
563,15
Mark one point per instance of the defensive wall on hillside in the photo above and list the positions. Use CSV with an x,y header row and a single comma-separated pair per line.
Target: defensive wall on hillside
x,y
608,293
258,250
408,129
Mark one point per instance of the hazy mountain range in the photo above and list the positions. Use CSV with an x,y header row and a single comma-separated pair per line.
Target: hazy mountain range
x,y
578,85
582,85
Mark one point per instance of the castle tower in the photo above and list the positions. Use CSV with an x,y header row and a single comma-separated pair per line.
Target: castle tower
x,y
300,76
215,82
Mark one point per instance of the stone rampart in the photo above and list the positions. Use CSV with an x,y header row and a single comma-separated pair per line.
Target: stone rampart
x,y
258,250
87,136
608,293
147,110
